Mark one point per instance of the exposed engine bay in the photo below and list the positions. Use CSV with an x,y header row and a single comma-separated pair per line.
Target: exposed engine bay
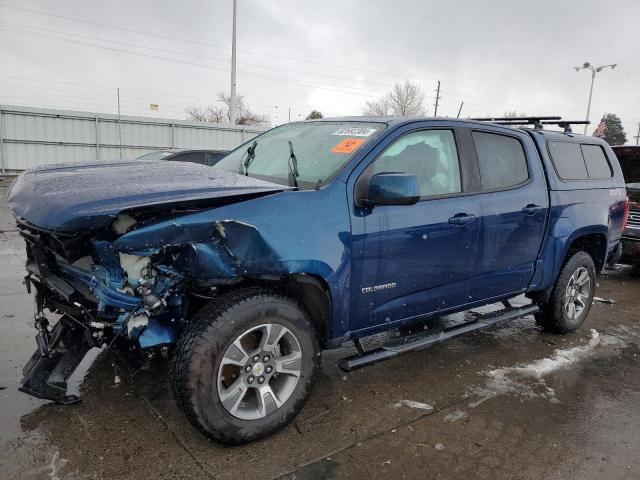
x,y
106,290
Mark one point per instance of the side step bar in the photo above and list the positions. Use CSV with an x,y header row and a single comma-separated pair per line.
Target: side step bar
x,y
423,340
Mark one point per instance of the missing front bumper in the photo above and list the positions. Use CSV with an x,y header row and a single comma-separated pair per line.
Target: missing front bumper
x,y
58,355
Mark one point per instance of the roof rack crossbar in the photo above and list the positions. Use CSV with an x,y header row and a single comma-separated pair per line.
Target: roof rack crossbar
x,y
514,119
537,122
566,124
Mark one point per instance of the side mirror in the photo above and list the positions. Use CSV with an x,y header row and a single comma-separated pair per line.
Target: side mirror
x,y
393,189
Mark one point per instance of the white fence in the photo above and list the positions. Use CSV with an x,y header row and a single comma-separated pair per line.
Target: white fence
x,y
36,136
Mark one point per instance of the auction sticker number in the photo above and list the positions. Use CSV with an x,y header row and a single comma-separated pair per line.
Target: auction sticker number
x,y
355,131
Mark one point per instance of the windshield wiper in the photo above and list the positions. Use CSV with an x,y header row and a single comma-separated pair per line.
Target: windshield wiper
x,y
293,166
251,154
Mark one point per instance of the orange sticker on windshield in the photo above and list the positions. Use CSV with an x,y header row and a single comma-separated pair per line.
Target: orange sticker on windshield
x,y
347,145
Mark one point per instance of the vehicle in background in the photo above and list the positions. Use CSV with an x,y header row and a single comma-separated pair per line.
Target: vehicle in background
x,y
307,236
203,157
629,158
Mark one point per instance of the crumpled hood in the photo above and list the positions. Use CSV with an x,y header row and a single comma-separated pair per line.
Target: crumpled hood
x,y
84,196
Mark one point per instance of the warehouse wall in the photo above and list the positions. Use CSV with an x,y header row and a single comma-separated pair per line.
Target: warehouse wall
x,y
37,136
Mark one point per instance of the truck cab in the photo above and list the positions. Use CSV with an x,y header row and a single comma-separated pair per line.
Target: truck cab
x,y
309,235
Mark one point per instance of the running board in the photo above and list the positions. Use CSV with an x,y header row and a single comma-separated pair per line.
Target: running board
x,y
423,340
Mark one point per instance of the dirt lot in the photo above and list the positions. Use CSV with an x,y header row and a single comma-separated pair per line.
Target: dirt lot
x,y
509,403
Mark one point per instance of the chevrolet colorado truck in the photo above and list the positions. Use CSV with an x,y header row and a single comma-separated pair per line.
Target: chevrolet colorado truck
x,y
310,235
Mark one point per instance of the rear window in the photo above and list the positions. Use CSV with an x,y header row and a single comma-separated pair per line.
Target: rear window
x,y
568,160
596,161
574,161
502,160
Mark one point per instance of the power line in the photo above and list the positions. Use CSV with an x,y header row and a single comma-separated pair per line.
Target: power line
x,y
329,87
36,29
326,64
336,88
124,91
195,42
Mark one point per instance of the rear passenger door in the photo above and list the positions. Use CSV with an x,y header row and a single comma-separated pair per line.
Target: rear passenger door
x,y
514,206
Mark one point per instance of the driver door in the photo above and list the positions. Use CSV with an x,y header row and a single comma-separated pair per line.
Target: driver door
x,y
413,260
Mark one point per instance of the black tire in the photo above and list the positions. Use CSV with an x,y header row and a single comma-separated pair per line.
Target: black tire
x,y
209,337
553,316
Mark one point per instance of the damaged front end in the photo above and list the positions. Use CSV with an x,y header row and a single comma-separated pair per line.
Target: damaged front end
x,y
107,251
103,295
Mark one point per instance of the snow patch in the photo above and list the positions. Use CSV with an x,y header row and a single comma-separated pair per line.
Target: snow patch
x,y
527,380
455,416
412,404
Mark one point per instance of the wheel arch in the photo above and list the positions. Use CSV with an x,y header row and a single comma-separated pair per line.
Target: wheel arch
x,y
592,241
309,290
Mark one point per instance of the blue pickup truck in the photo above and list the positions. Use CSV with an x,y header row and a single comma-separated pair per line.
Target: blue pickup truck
x,y
310,235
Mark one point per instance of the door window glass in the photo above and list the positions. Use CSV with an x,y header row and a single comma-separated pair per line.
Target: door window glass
x,y
501,159
430,155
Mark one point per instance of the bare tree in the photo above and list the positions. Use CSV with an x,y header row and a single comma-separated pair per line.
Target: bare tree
x,y
378,108
220,113
404,99
514,114
407,99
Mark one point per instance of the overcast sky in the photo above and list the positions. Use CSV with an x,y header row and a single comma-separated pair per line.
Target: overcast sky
x,y
330,55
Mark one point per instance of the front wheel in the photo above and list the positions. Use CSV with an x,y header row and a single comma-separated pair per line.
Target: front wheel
x,y
572,296
245,365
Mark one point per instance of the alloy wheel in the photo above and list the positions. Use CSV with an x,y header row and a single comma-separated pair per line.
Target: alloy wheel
x,y
577,293
259,371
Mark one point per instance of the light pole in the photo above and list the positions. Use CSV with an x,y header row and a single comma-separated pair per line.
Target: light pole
x,y
594,70
232,99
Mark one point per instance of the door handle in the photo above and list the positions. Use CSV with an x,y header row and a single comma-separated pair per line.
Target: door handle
x,y
532,209
461,219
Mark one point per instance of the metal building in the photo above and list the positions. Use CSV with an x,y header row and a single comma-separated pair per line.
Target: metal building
x,y
37,136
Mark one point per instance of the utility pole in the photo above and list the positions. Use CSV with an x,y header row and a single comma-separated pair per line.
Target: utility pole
x,y
460,109
232,99
435,112
638,134
289,114
119,128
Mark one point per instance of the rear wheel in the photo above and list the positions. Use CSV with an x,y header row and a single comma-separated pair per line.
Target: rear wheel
x,y
572,296
245,365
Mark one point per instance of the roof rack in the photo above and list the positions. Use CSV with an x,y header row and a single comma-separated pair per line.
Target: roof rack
x,y
537,122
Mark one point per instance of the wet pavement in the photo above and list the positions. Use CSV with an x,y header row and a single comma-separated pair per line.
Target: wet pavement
x,y
512,402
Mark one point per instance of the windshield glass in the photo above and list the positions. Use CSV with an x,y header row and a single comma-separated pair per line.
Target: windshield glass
x,y
159,155
320,149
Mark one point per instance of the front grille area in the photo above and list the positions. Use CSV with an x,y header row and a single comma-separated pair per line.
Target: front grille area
x,y
68,246
634,219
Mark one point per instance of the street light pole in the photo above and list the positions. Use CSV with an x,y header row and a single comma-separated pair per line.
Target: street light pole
x,y
594,70
232,99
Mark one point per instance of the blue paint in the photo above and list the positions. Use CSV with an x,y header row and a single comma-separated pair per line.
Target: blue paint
x,y
159,332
